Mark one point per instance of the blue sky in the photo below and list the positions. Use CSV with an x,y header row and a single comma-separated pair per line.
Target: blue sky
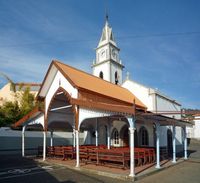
x,y
159,40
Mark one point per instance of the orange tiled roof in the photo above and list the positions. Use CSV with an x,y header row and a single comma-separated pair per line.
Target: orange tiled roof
x,y
83,80
27,116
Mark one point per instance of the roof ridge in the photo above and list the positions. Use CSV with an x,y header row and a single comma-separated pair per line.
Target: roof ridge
x,y
80,79
91,75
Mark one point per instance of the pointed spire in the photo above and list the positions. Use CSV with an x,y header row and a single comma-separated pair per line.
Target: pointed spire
x,y
107,34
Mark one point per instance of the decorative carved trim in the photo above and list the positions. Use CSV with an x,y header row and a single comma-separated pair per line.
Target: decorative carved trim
x,y
120,109
95,97
77,117
66,94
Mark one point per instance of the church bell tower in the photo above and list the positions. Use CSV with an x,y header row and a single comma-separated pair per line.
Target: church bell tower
x,y
107,64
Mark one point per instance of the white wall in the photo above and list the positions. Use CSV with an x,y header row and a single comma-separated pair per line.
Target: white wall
x,y
153,99
163,104
194,132
141,92
197,127
10,140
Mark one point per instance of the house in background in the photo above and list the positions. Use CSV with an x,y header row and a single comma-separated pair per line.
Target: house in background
x,y
7,93
194,131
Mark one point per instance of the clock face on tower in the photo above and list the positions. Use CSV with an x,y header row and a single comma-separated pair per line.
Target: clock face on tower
x,y
103,53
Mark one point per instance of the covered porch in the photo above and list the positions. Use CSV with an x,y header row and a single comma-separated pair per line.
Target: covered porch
x,y
112,153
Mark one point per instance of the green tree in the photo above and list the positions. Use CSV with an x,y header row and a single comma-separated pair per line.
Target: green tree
x,y
27,101
9,113
2,117
24,102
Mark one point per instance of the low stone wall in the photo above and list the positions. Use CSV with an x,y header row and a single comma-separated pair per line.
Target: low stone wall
x,y
11,141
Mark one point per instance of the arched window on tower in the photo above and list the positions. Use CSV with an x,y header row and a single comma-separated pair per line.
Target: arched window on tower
x,y
116,78
101,75
143,136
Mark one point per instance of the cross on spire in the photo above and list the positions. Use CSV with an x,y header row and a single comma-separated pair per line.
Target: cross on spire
x,y
106,17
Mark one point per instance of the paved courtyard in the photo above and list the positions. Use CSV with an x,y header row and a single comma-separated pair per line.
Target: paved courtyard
x,y
14,169
185,172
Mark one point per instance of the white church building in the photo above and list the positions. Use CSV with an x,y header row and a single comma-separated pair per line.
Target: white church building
x,y
105,110
108,66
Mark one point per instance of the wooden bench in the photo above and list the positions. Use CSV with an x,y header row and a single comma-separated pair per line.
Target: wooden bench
x,y
144,155
88,153
139,156
51,151
59,152
92,155
152,155
69,152
113,157
83,154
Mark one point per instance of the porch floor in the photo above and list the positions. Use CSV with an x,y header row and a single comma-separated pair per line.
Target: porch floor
x,y
116,172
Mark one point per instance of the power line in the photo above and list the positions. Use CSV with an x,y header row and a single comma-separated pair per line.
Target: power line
x,y
159,35
91,40
44,43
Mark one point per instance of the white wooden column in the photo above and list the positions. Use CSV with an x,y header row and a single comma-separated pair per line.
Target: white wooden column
x,y
74,137
185,143
132,159
96,133
108,135
157,145
23,141
51,139
44,145
174,144
131,137
77,149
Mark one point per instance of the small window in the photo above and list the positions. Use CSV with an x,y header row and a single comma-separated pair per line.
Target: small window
x,y
116,78
101,75
143,135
